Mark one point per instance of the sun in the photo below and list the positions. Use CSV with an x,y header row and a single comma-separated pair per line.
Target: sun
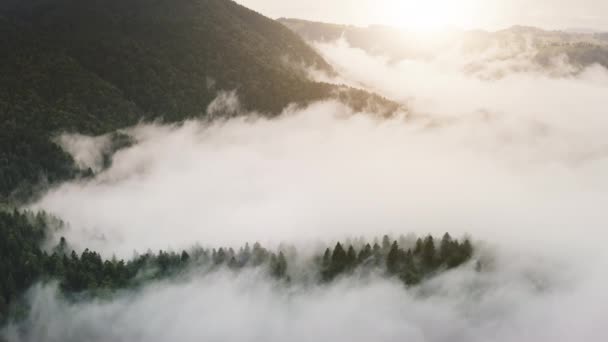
x,y
430,15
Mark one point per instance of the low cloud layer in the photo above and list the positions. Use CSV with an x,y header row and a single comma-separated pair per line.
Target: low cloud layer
x,y
462,305
518,162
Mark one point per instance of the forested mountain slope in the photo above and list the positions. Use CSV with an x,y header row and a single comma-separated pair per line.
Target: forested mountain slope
x,y
92,66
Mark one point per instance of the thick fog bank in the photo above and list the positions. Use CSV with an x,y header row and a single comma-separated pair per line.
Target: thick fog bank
x,y
518,158
516,303
324,172
518,162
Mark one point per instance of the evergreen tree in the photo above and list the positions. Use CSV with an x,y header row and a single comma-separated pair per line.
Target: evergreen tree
x,y
429,253
418,247
446,249
338,260
326,273
392,259
245,255
279,266
377,254
259,254
185,257
351,257
364,254
386,243
326,263
221,256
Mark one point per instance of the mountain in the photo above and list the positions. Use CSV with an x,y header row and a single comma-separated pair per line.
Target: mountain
x,y
542,46
92,66
378,40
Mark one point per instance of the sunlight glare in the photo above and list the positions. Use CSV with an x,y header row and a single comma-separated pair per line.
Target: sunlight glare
x,y
430,15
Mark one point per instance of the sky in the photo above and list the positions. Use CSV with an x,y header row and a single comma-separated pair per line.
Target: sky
x,y
439,14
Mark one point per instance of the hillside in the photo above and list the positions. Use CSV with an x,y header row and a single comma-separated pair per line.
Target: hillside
x,y
92,66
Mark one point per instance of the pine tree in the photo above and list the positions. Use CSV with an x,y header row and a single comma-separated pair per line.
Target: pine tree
x,y
392,259
351,257
429,253
326,262
446,249
220,256
245,255
364,254
338,260
278,265
185,257
386,244
377,254
326,266
259,254
418,247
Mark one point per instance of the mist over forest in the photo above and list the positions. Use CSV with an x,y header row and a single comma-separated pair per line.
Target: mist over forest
x,y
193,170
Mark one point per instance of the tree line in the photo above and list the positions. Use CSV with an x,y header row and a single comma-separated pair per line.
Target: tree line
x,y
23,261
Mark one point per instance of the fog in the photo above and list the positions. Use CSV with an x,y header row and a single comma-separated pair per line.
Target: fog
x,y
492,158
87,152
462,305
517,161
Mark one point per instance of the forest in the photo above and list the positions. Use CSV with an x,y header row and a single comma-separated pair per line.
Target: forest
x,y
93,67
24,261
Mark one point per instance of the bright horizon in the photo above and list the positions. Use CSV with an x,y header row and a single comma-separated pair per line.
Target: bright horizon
x,y
432,15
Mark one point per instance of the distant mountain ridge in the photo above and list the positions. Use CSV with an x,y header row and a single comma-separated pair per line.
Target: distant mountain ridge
x,y
581,49
92,66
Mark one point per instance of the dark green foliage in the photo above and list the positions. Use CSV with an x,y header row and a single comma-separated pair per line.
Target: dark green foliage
x,y
21,259
351,258
91,67
337,263
24,262
393,258
411,266
428,253
326,262
278,265
365,254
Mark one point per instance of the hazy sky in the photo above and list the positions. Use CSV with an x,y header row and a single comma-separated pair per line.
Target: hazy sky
x,y
433,14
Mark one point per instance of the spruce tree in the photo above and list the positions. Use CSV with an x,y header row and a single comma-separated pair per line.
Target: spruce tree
x,y
446,249
418,247
185,257
386,243
281,268
351,257
338,260
364,254
326,261
392,259
429,253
